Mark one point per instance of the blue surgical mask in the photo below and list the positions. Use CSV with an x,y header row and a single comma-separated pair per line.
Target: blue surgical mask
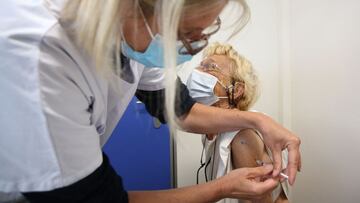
x,y
153,56
201,87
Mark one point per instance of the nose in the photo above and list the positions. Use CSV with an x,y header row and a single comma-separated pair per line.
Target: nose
x,y
197,36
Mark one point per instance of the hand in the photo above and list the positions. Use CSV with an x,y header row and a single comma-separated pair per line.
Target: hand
x,y
249,183
278,138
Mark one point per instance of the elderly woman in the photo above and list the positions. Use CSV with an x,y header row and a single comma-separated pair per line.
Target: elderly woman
x,y
227,80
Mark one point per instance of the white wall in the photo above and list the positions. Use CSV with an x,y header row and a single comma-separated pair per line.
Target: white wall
x,y
259,42
325,65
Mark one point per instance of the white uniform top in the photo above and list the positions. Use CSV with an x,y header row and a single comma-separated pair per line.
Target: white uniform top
x,y
218,154
56,112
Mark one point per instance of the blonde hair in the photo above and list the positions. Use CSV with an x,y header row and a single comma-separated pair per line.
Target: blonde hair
x,y
96,26
242,71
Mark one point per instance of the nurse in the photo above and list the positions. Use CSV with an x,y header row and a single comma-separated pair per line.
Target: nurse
x,y
64,85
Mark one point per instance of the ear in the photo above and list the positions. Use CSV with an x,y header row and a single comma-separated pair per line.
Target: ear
x,y
239,90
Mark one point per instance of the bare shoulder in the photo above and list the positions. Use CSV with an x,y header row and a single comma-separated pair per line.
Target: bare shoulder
x,y
246,132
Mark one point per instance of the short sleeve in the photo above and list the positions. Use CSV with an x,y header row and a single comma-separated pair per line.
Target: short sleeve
x,y
47,139
151,79
69,105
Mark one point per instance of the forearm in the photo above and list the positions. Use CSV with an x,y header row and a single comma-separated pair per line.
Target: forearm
x,y
207,192
237,184
207,119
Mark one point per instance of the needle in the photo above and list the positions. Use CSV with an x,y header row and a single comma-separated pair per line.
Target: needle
x,y
261,163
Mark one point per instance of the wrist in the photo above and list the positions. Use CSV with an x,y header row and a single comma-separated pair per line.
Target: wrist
x,y
258,121
224,188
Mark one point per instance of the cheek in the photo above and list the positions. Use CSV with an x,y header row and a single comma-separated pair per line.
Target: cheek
x,y
219,90
227,69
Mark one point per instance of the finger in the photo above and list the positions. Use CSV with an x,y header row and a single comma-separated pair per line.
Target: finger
x,y
261,188
282,178
294,162
260,171
300,163
277,162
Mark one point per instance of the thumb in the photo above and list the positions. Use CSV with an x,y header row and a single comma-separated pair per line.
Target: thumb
x,y
260,171
266,186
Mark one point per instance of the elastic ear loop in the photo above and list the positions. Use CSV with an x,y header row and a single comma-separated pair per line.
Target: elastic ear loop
x,y
233,95
230,95
146,22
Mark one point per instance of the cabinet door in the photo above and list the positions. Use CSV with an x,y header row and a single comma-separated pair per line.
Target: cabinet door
x,y
139,150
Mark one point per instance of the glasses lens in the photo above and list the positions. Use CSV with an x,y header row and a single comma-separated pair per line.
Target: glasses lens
x,y
196,47
198,44
212,29
193,47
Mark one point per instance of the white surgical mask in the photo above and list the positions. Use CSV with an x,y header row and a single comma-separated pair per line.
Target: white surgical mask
x,y
201,87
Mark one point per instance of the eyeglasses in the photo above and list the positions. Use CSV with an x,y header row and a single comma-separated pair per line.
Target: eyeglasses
x,y
209,65
193,47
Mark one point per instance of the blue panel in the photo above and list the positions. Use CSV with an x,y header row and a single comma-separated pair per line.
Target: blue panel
x,y
139,152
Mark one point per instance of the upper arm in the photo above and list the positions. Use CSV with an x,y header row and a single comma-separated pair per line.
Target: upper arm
x,y
155,102
246,148
151,91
